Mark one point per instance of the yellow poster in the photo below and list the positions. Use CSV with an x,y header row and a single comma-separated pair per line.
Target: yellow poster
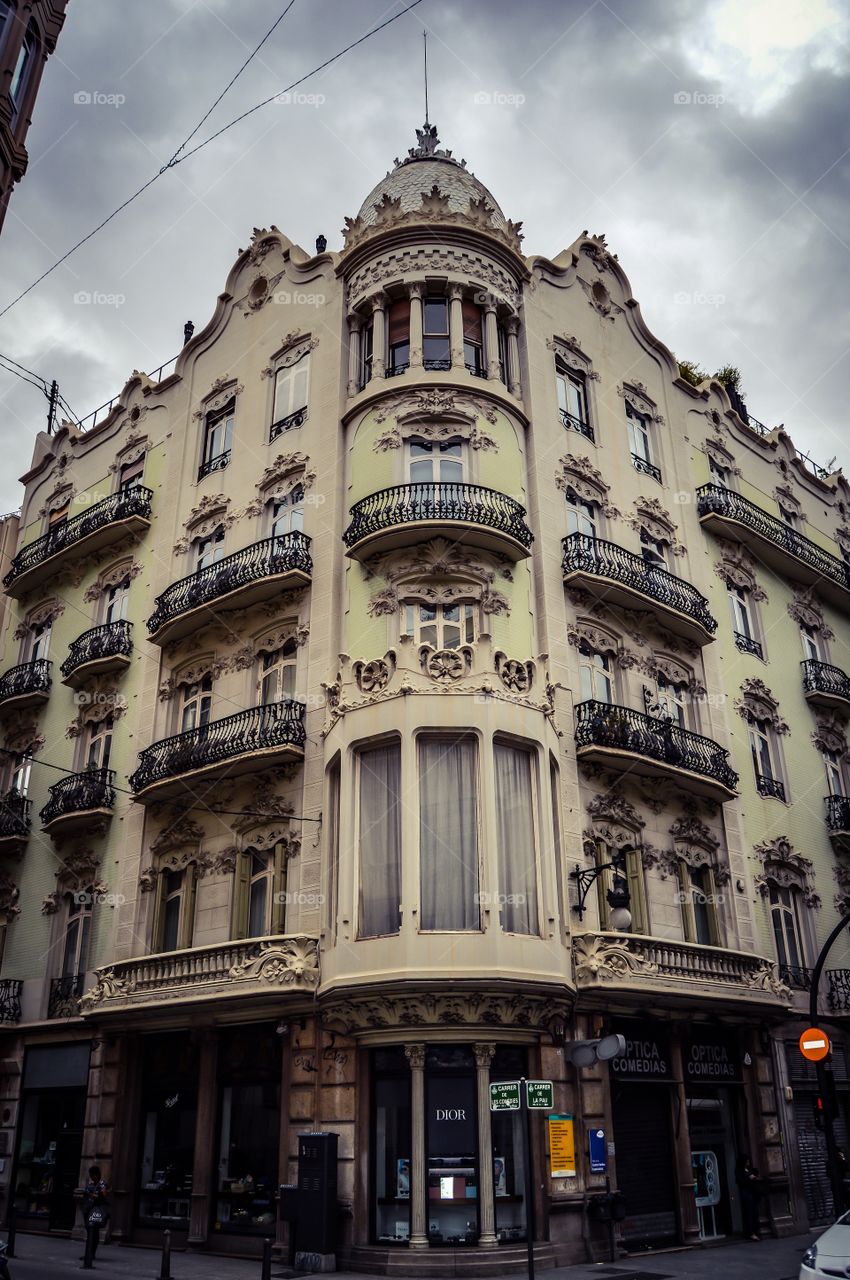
x,y
562,1147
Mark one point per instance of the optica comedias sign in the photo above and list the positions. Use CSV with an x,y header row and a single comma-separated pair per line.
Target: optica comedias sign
x,y
647,1057
711,1059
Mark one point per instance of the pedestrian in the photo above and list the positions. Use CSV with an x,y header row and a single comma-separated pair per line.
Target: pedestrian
x,y
95,1207
747,1178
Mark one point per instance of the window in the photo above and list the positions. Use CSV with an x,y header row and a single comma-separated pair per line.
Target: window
x,y
515,776
671,700
20,778
196,704
653,550
380,840
99,746
59,515
210,549
277,677
333,844
502,337
288,512
789,515
436,348
130,475
764,753
473,338
581,515
366,350
39,641
633,876
572,399
290,396
22,68
175,921
811,644
259,895
117,601
218,439
75,946
698,899
436,463
720,472
743,621
448,834
595,675
834,773
639,439
443,626
398,337
785,918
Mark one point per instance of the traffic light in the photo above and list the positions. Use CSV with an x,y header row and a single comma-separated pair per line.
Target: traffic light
x,y
819,1118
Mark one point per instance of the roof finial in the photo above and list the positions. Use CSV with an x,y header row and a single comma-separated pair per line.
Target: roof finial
x,y
425,47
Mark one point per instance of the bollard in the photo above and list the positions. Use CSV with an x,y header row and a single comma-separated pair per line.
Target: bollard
x,y
12,1221
88,1261
165,1269
266,1273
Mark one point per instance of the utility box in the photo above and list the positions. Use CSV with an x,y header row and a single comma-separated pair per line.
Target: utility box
x,y
311,1207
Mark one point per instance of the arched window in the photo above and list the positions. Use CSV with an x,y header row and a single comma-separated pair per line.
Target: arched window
x,y
744,621
23,68
75,942
209,550
836,780
698,898
581,514
174,919
640,440
117,601
288,512
812,643
99,744
398,337
277,673
218,439
653,550
596,676
259,903
572,399
764,748
196,704
671,699
290,396
433,462
787,932
38,641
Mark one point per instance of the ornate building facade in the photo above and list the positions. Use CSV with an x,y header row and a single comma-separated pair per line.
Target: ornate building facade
x,y
416,676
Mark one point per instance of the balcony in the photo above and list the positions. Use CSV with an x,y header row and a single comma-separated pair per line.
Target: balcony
x,y
98,651
65,994
128,511
676,972
657,748
10,999
748,645
25,686
796,976
838,990
408,513
251,969
15,821
617,576
645,467
79,802
772,788
838,821
218,463
794,556
571,423
245,578
242,743
825,686
296,419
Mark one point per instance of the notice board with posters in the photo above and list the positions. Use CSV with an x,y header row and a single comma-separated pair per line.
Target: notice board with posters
x,y
562,1147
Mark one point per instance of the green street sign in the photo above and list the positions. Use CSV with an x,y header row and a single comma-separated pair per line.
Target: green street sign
x,y
504,1096
541,1095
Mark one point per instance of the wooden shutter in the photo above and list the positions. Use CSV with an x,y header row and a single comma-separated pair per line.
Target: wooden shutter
x,y
399,322
187,917
241,880
278,889
472,327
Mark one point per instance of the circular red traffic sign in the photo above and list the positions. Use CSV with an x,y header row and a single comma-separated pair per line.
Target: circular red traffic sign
x,y
814,1044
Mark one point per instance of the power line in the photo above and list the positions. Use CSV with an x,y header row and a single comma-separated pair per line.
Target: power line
x,y
179,159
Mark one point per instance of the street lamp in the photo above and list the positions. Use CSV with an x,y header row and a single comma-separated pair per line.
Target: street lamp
x,y
618,896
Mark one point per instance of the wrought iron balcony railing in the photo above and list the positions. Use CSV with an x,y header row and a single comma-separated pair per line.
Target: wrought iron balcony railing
x,y
393,370
28,680
796,976
296,419
218,463
747,644
411,504
645,467
85,792
604,724
15,816
715,499
270,558
770,787
572,423
134,501
274,724
477,370
594,556
829,682
838,814
111,640
838,990
440,366
65,995
10,999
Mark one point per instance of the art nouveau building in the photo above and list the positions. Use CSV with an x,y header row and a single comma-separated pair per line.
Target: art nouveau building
x,y
418,584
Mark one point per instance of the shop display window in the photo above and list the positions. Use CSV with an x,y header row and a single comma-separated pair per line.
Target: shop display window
x,y
391,1145
168,1133
248,1131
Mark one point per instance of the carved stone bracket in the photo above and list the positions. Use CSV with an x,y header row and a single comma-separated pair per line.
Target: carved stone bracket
x,y
282,963
830,734
758,705
599,960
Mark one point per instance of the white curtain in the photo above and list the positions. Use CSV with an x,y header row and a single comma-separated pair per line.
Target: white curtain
x,y
448,834
515,839
380,841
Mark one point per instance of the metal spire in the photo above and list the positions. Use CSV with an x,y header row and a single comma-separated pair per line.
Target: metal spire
x,y
425,47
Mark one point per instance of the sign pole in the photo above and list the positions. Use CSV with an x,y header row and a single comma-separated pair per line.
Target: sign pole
x,y
529,1181
820,1068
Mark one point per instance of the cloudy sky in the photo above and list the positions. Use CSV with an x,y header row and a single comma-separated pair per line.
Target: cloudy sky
x,y
708,139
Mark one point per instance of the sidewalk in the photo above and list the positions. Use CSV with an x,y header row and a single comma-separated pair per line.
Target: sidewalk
x,y
40,1258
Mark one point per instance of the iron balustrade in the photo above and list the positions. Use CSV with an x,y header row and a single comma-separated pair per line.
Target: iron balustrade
x,y
747,644
604,724
28,678
80,793
462,503
111,640
64,998
10,999
572,423
477,370
441,366
265,559
585,554
645,467
393,370
273,724
820,677
838,813
716,499
838,990
772,788
133,501
218,463
796,976
15,816
296,419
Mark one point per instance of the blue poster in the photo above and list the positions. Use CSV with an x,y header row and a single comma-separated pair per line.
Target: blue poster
x,y
598,1150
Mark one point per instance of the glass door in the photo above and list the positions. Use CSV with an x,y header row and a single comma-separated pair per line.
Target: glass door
x,y
452,1146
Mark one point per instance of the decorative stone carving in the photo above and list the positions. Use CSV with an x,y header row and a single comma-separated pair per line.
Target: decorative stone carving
x,y
287,471
222,391
445,665
657,522
9,895
62,496
374,676
785,497
715,448
515,675
383,603
459,1009
265,815
600,299
290,960
135,447
21,735
98,702
579,474
598,959
435,431
46,613
830,734
421,260
614,821
127,568
782,865
434,402
570,351
206,666
690,830
636,394
181,831
675,673
807,611
224,862
757,704
581,634
737,567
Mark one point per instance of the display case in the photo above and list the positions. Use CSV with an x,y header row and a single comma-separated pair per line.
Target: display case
x,y
452,1200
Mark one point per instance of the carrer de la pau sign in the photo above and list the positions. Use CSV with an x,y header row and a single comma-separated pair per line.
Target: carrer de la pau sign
x,y
647,1056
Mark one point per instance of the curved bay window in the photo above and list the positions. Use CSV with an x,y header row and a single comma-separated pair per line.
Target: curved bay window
x,y
516,802
448,834
436,462
167,1140
398,337
473,339
443,626
379,805
249,1069
391,1146
436,347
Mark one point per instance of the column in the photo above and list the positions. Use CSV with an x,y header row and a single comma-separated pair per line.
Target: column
x,y
415,293
512,371
486,1202
379,303
354,326
205,1130
682,1139
456,325
415,1054
491,342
